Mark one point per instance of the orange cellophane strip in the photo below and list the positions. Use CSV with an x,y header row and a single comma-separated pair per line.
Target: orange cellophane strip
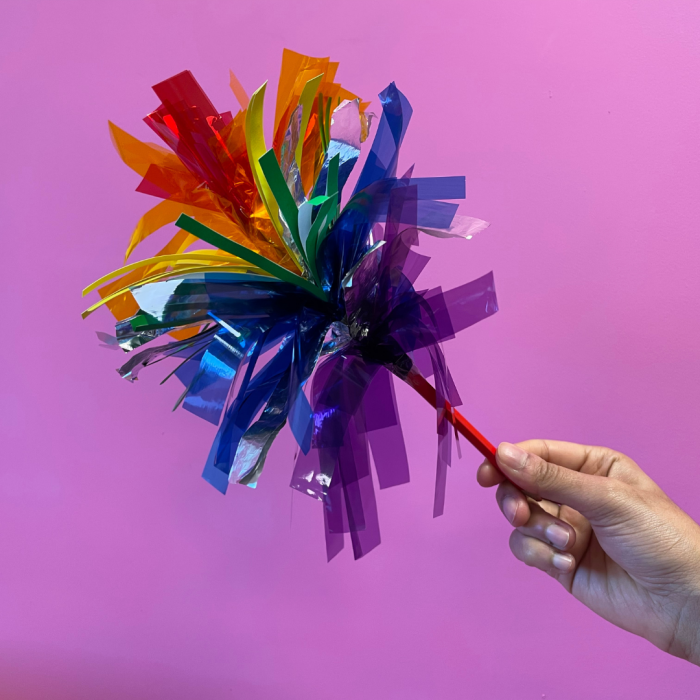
x,y
296,71
238,90
140,156
247,222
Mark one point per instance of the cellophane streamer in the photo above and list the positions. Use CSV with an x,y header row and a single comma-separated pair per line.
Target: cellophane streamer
x,y
299,310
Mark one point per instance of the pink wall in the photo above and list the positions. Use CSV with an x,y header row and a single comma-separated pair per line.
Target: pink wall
x,y
123,574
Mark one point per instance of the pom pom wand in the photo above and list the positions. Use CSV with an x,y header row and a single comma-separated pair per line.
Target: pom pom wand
x,y
299,310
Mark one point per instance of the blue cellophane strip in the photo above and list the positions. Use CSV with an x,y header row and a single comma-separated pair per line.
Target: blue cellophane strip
x,y
188,370
435,214
430,213
453,187
383,157
348,156
287,398
254,394
301,420
276,389
218,465
190,300
345,245
210,387
256,440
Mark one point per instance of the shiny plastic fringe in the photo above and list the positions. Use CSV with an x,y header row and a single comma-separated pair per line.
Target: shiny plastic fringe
x,y
306,294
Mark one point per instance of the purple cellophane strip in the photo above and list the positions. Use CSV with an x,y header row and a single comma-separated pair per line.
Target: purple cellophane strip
x,y
384,431
360,500
463,306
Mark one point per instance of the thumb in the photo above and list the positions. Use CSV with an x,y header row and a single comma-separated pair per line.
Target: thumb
x,y
593,496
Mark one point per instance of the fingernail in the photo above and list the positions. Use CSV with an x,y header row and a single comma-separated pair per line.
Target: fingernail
x,y
511,456
557,535
563,562
510,508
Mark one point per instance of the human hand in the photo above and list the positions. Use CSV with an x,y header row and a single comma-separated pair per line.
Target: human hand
x,y
607,533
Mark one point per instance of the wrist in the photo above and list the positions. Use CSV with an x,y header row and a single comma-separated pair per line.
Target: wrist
x,y
688,630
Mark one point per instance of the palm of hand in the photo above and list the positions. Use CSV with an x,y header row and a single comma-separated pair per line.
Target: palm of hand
x,y
634,567
604,586
633,558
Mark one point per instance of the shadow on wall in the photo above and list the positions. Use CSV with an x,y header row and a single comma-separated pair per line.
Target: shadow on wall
x,y
51,675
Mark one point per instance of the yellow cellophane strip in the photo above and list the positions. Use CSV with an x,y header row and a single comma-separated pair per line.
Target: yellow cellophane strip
x,y
255,141
307,101
158,260
125,305
246,267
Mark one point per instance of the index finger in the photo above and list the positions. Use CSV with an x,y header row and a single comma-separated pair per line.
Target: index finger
x,y
487,475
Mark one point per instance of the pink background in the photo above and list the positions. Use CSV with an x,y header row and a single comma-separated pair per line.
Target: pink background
x,y
123,574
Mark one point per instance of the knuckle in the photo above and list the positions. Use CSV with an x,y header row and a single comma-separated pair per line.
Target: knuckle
x,y
614,497
617,493
545,474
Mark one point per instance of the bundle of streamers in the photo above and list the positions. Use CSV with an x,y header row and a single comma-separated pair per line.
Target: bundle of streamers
x,y
298,310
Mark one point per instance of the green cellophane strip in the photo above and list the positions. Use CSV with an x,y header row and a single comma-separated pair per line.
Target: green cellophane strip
x,y
332,177
280,191
330,216
329,211
226,244
319,230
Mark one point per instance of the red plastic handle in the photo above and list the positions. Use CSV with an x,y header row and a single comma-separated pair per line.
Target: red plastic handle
x,y
427,391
